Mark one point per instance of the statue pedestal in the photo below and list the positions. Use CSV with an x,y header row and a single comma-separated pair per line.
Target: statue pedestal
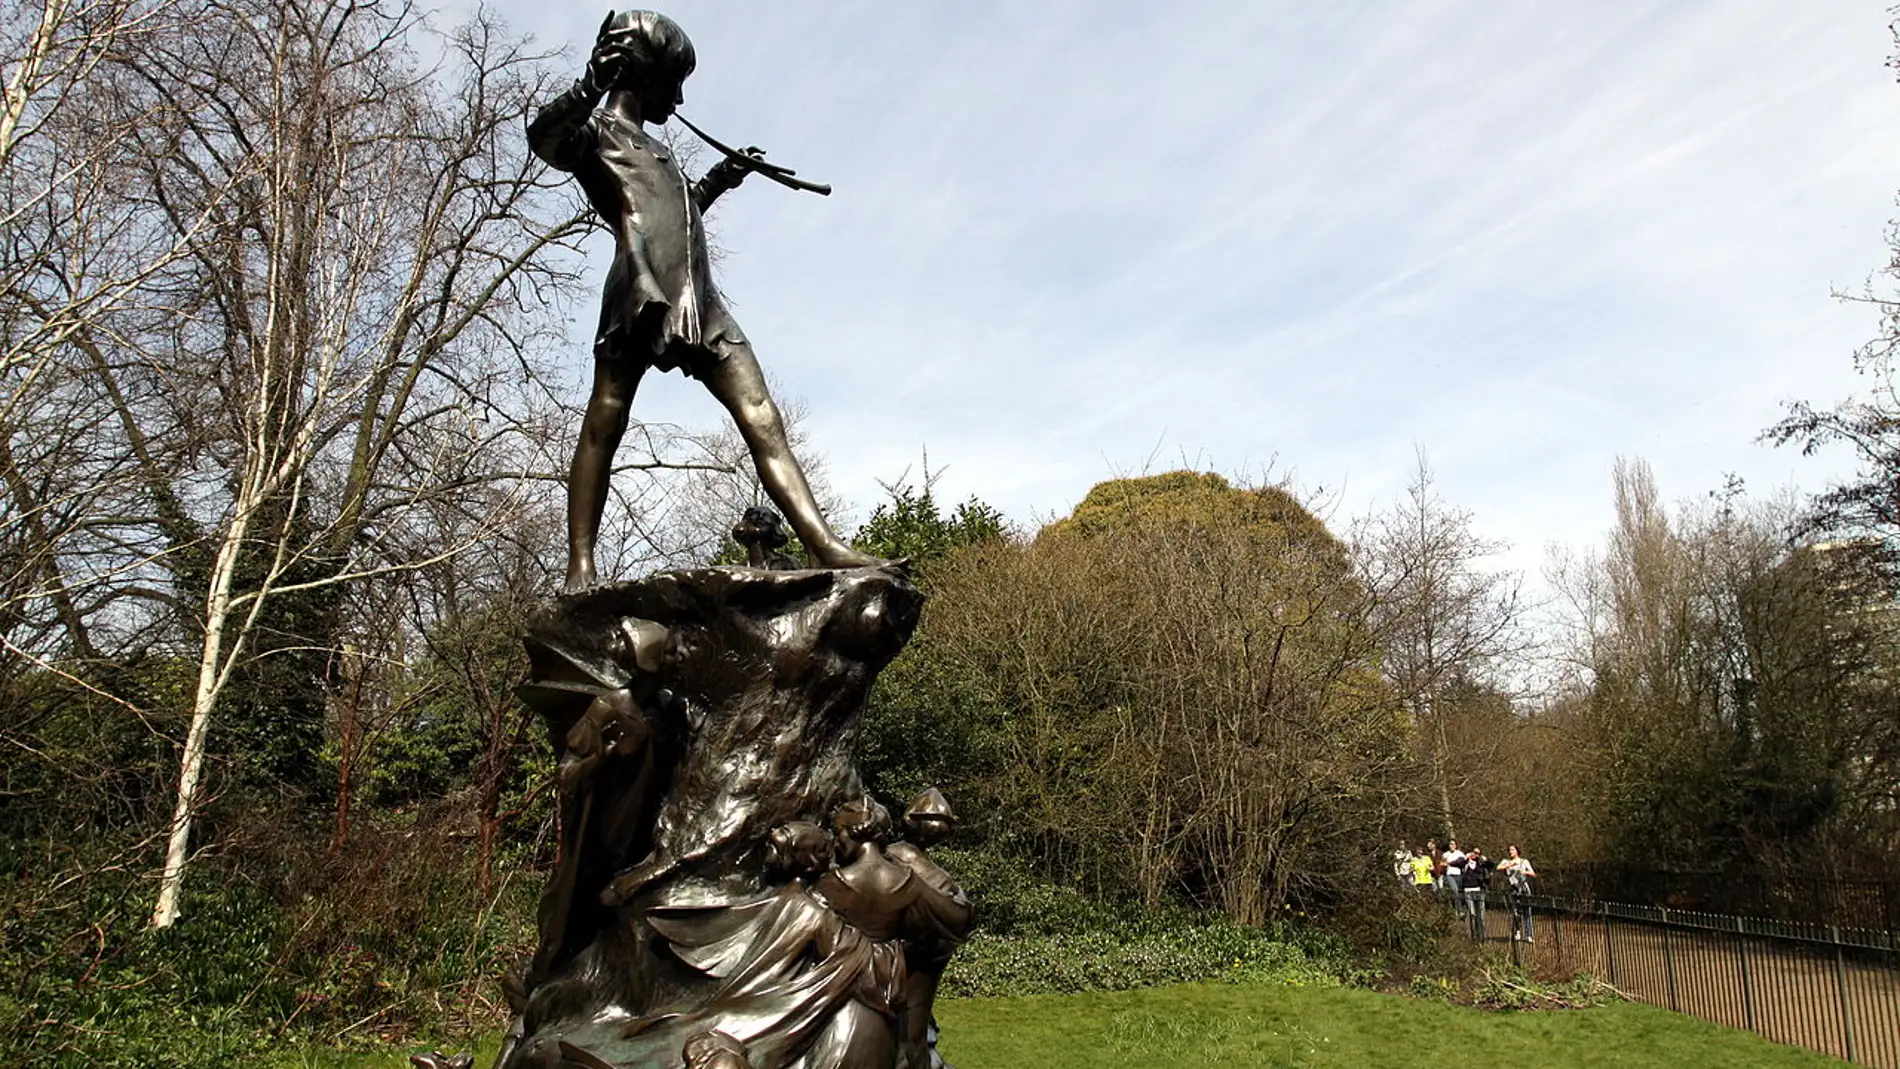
x,y
705,723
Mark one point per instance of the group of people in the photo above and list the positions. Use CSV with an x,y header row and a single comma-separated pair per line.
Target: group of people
x,y
1462,877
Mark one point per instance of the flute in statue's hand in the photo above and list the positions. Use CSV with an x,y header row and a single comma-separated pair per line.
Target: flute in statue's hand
x,y
752,160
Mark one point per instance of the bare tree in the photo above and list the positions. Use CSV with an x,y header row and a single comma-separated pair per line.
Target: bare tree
x,y
348,343
684,516
73,251
65,257
1446,622
1282,750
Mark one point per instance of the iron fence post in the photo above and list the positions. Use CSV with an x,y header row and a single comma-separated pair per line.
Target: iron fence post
x,y
1748,994
1840,983
1609,945
1669,960
1887,895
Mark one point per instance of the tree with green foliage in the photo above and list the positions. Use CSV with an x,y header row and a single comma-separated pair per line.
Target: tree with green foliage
x,y
917,726
910,524
1737,713
1173,691
1203,501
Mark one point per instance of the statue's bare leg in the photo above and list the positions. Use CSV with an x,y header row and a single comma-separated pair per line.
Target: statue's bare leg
x,y
608,409
739,384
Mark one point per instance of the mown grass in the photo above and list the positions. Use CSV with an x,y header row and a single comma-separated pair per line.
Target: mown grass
x,y
1281,1025
1319,1028
485,1052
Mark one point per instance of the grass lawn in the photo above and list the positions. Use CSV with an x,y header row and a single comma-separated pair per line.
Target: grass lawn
x,y
1308,1027
1239,1025
485,1053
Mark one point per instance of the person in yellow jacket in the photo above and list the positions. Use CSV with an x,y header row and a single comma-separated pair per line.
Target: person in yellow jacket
x,y
1421,873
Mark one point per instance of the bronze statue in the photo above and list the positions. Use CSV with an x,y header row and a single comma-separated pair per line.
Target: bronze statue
x,y
660,309
704,722
867,888
603,713
797,981
704,725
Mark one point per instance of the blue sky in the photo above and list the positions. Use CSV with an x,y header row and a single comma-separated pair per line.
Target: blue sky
x,y
1077,240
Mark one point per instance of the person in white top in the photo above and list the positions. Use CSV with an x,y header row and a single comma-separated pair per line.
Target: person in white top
x,y
1454,868
1518,869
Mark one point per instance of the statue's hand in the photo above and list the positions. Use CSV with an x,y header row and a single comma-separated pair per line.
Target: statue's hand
x,y
610,56
729,172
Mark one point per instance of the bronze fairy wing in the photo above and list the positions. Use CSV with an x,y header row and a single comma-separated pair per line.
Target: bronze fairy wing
x,y
563,680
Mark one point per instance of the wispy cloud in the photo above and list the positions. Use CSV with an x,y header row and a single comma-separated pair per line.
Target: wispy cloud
x,y
1528,237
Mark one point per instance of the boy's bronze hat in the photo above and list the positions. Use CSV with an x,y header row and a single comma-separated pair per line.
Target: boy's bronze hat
x,y
931,803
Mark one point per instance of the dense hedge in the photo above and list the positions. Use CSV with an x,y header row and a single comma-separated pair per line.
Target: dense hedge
x,y
387,942
1036,937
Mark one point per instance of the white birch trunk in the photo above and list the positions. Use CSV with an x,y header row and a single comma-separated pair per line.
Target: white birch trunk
x,y
20,82
211,678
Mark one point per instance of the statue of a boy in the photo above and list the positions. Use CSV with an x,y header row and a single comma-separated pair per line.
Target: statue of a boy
x,y
660,309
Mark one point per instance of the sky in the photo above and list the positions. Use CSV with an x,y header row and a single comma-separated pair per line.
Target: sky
x,y
1072,241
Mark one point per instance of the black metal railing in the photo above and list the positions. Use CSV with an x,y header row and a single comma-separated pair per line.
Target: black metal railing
x,y
1846,901
1833,988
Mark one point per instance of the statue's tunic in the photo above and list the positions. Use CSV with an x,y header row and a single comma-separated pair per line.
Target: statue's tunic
x,y
660,308
798,985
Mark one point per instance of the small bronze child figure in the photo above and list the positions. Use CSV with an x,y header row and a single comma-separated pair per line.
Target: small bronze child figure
x,y
762,533
936,925
714,1050
660,309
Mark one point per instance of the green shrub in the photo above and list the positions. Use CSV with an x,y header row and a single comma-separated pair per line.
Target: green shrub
x,y
1397,929
1037,937
388,941
1112,961
88,985
1010,900
1510,989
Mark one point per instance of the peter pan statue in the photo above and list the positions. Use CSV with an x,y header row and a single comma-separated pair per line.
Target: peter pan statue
x,y
660,309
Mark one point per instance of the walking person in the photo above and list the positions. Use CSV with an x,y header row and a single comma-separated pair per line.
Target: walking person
x,y
1402,864
1518,871
1474,874
1421,873
1450,883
